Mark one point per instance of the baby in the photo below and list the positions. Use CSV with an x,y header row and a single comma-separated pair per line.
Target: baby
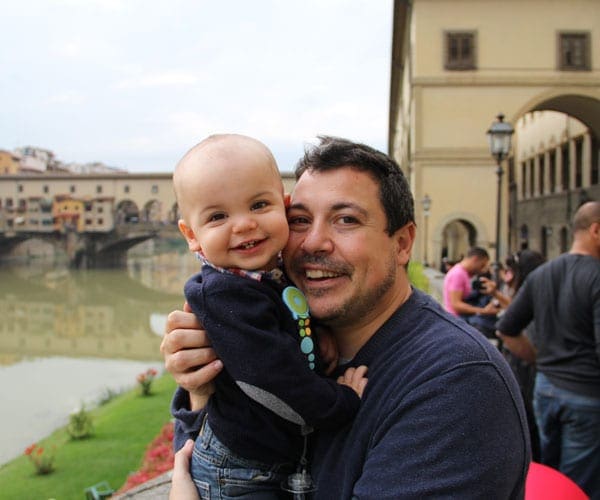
x,y
270,395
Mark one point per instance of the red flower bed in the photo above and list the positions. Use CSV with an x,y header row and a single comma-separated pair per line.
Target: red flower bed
x,y
157,460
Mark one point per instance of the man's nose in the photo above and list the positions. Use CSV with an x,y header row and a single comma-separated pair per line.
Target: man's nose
x,y
317,239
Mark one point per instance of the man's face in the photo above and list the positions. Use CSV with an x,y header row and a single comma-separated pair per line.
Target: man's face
x,y
338,252
477,265
481,265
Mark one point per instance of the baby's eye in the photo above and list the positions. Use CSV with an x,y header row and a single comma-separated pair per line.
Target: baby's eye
x,y
217,217
259,205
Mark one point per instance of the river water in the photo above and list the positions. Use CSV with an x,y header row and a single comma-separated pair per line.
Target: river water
x,y
69,337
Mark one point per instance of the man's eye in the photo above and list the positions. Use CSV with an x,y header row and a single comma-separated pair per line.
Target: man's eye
x,y
298,219
348,219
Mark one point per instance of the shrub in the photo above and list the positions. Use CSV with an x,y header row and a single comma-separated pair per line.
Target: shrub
x,y
145,381
80,424
41,458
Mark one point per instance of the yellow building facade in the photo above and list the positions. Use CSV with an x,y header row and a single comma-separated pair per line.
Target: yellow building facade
x,y
456,64
9,163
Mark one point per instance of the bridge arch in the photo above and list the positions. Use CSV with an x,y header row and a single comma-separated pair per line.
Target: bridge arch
x,y
127,211
174,213
152,211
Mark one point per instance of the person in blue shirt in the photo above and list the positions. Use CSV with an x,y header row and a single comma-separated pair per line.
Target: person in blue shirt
x,y
441,414
270,397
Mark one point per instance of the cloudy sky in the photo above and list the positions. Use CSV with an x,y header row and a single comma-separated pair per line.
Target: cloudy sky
x,y
135,83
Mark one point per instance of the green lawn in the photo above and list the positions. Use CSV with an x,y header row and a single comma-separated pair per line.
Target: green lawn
x,y
123,428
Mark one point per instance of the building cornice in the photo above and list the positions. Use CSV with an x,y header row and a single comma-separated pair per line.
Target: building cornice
x,y
592,80
453,156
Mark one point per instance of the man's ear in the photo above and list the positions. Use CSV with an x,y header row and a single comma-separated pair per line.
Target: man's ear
x,y
189,235
404,238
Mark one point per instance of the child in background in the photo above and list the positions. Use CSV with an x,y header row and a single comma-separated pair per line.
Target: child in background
x,y
270,396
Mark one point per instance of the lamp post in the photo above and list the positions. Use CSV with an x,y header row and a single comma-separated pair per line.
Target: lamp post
x,y
426,201
499,135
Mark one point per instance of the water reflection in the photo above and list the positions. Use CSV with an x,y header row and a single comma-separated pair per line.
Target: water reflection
x,y
68,335
112,313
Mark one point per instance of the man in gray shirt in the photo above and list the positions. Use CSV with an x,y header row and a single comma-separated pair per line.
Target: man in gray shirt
x,y
562,297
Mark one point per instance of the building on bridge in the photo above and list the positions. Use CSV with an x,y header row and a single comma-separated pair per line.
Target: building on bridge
x,y
94,203
9,162
125,208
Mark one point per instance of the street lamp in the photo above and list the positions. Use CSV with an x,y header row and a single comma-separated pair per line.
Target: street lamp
x,y
426,201
499,135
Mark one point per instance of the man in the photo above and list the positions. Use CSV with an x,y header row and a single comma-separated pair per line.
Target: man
x,y
441,414
457,285
562,297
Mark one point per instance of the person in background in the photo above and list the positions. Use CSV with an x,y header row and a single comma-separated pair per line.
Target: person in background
x,y
518,267
269,399
562,298
457,285
485,323
441,415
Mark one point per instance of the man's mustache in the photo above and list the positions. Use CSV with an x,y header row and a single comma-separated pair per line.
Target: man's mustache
x,y
299,261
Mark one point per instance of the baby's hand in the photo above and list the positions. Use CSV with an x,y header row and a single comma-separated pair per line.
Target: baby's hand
x,y
355,379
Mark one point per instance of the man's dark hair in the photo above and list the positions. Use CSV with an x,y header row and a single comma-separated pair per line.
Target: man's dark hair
x,y
478,252
394,192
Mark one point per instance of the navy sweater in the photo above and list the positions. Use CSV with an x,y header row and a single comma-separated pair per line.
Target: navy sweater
x,y
268,393
441,417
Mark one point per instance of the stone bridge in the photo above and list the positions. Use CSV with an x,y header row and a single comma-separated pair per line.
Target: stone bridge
x,y
92,249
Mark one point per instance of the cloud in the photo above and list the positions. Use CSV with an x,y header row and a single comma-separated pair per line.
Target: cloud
x,y
68,98
135,83
166,79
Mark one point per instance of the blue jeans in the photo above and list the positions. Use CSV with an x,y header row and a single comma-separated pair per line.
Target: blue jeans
x,y
220,474
569,428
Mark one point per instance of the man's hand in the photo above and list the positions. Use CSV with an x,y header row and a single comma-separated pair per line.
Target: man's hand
x,y
489,286
189,357
492,308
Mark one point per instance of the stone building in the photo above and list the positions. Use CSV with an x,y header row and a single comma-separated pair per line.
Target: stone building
x,y
456,64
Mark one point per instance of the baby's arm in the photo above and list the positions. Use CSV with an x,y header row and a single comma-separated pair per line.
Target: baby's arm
x,y
265,362
328,349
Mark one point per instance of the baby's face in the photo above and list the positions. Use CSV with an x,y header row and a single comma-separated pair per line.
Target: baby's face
x,y
237,213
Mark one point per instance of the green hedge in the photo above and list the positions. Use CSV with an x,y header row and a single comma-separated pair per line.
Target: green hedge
x,y
417,276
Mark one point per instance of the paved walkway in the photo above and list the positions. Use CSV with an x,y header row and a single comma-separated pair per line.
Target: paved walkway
x,y
155,489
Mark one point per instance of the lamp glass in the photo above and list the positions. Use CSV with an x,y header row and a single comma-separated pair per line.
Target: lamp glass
x,y
499,136
426,203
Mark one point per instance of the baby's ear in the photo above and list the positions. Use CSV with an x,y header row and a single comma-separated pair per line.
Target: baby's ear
x,y
287,199
188,234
